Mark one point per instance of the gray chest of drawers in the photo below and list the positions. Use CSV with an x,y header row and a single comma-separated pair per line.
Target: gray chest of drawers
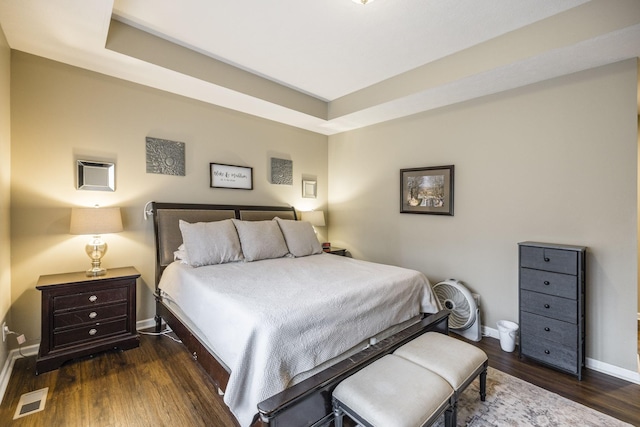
x,y
552,305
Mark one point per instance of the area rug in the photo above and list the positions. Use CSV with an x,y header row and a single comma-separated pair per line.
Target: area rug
x,y
513,402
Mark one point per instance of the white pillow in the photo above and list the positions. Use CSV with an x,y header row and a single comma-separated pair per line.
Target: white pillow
x,y
208,243
260,240
181,255
300,237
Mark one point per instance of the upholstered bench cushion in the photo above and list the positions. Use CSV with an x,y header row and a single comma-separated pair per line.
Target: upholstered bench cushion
x,y
452,359
393,392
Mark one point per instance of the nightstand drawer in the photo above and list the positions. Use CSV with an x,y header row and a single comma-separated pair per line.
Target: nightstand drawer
x,y
87,299
90,315
550,352
549,306
547,328
561,285
557,260
89,333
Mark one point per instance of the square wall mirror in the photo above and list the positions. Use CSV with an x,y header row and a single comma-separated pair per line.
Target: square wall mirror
x,y
96,176
309,189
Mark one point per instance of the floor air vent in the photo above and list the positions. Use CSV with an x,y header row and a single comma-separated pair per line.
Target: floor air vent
x,y
31,402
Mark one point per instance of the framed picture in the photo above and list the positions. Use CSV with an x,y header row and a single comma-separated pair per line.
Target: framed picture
x,y
427,190
309,189
229,176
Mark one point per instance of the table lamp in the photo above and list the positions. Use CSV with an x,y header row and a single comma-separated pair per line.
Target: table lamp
x,y
316,218
95,221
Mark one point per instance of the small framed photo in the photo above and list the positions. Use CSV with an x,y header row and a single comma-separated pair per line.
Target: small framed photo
x,y
427,190
229,176
309,189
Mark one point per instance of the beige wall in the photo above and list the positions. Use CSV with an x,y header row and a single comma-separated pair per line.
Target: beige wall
x,y
5,181
552,162
60,113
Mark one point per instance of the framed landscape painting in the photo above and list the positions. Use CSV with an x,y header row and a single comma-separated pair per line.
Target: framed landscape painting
x,y
427,190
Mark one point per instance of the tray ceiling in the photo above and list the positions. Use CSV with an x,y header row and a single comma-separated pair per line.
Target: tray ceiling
x,y
327,66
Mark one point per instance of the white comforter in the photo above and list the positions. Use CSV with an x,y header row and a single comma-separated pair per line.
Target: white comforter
x,y
271,320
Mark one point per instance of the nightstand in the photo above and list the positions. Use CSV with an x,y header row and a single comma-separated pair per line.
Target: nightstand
x,y
85,315
337,251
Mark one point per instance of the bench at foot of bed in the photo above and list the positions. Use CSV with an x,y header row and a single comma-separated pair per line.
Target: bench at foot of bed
x,y
414,385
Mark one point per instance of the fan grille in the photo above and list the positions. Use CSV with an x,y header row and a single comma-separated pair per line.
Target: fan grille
x,y
452,298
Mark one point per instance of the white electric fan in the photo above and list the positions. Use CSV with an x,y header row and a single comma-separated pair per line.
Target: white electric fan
x,y
464,318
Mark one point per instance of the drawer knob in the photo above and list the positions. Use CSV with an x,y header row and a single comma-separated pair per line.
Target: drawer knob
x,y
93,298
93,331
546,306
93,315
547,329
546,282
547,352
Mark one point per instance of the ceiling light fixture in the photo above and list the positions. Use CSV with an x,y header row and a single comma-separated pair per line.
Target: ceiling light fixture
x,y
363,1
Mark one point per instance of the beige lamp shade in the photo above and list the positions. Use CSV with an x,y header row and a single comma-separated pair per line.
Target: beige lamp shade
x,y
95,221
316,218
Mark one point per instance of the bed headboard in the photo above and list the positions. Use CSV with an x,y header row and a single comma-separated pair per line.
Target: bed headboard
x,y
166,218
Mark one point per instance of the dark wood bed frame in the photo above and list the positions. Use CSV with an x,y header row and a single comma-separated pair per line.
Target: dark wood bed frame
x,y
306,404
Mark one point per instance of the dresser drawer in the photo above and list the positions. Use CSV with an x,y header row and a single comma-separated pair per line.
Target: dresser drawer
x,y
89,333
550,352
561,285
549,329
87,299
89,315
557,260
549,306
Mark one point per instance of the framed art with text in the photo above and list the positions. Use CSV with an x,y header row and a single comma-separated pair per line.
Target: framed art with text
x,y
229,176
427,190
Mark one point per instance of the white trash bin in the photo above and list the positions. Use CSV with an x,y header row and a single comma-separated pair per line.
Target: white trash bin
x,y
508,331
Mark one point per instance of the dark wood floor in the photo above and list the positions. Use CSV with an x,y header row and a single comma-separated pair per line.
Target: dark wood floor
x,y
159,384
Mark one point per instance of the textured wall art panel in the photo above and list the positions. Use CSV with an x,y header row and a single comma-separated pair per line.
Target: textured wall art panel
x,y
165,157
281,171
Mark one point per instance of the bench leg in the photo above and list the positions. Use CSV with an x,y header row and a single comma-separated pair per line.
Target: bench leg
x,y
337,415
483,382
451,414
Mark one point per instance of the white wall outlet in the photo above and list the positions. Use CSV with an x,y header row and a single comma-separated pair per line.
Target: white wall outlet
x,y
5,329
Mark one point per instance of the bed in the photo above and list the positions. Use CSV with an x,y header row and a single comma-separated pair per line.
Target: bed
x,y
276,322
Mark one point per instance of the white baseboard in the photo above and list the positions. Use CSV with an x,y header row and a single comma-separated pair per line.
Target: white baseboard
x,y
14,355
614,371
490,332
145,324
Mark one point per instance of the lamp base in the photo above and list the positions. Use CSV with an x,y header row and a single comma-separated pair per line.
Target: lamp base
x,y
92,272
96,248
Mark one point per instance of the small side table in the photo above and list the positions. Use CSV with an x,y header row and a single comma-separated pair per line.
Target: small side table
x,y
85,315
337,251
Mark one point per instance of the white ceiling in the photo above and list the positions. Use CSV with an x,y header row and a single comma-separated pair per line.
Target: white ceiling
x,y
365,63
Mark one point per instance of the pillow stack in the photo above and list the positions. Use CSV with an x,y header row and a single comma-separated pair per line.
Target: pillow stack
x,y
231,240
